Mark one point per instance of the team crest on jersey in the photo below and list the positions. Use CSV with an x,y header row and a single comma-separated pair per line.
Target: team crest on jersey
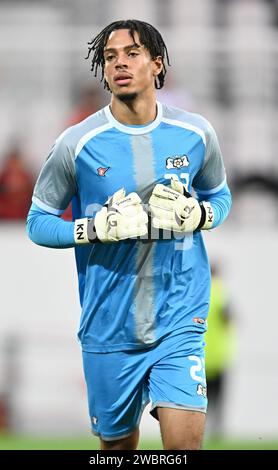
x,y
101,171
198,320
201,390
179,161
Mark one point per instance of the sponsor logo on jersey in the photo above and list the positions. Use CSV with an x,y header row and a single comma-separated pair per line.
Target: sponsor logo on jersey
x,y
201,390
101,170
177,162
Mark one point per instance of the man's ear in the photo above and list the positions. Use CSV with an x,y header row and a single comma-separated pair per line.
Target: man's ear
x,y
158,65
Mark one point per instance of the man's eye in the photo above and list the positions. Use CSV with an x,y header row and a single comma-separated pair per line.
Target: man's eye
x,y
132,54
109,57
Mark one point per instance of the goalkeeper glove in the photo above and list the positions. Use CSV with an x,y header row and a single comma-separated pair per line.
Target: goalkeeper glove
x,y
120,218
173,208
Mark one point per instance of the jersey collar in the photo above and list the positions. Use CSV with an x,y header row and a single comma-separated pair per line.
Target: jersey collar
x,y
135,130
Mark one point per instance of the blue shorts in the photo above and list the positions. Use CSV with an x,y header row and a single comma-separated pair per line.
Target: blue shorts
x,y
120,384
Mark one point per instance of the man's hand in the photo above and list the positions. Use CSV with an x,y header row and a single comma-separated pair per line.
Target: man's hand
x,y
173,208
120,218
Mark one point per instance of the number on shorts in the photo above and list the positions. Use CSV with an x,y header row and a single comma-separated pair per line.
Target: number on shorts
x,y
199,367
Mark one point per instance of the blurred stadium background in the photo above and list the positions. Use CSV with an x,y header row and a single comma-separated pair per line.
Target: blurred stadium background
x,y
224,56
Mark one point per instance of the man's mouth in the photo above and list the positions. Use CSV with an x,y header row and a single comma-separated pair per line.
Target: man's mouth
x,y
123,79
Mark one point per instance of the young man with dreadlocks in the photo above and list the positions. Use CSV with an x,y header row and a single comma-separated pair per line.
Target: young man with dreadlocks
x,y
144,277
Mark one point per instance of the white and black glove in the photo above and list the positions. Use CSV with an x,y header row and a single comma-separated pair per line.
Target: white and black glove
x,y
120,218
173,208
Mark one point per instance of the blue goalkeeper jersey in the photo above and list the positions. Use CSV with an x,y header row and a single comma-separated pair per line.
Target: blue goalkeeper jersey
x,y
135,292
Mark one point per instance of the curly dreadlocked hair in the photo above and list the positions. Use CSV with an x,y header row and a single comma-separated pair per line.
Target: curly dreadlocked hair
x,y
149,37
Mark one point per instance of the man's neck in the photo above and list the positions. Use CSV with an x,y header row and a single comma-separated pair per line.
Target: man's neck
x,y
134,112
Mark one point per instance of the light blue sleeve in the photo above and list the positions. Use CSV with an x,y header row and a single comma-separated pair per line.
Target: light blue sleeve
x,y
221,203
49,230
56,184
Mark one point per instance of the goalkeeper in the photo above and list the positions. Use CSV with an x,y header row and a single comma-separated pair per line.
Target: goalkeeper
x,y
129,172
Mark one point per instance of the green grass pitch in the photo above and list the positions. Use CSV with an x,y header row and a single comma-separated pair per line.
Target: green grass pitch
x,y
23,442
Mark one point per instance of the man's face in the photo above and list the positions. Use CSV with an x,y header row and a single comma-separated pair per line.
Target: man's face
x,y
129,69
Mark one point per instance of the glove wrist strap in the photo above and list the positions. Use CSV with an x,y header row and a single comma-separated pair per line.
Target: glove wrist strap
x,y
207,216
85,231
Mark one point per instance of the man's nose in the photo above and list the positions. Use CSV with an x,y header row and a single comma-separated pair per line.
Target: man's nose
x,y
121,61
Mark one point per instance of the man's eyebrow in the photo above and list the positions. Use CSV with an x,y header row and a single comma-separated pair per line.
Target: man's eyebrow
x,y
126,48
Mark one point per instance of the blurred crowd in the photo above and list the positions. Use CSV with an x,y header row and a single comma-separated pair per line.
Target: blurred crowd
x,y
17,178
16,185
